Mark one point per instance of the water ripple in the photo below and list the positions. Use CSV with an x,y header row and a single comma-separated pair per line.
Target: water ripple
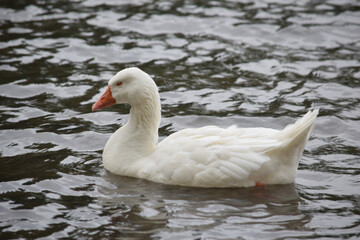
x,y
249,63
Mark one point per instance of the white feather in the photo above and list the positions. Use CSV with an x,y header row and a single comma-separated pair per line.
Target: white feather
x,y
203,157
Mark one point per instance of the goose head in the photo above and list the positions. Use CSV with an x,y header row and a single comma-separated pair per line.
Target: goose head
x,y
131,85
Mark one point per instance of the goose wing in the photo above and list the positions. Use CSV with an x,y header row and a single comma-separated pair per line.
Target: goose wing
x,y
198,157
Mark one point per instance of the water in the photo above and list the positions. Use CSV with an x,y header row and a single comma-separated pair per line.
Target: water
x,y
250,63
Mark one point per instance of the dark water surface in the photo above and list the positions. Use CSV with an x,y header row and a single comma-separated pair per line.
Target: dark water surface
x,y
250,63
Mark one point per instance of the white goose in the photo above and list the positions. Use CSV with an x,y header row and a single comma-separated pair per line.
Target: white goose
x,y
204,157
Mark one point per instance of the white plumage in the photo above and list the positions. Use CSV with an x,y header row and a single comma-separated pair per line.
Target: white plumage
x,y
203,157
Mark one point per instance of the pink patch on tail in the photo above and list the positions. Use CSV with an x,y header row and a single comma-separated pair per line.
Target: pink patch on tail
x,y
259,184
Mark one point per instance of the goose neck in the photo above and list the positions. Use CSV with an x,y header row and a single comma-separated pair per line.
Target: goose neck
x,y
145,119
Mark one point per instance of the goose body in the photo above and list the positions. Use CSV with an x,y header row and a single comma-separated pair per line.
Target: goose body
x,y
203,157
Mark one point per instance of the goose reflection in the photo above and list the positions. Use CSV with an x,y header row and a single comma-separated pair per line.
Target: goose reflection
x,y
164,208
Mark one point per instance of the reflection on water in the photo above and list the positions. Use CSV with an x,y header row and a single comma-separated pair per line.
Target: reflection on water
x,y
208,211
250,63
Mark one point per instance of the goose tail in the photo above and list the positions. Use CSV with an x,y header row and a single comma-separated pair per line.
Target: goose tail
x,y
302,128
295,136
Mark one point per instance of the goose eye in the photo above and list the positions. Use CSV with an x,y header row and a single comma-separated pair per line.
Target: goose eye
x,y
118,83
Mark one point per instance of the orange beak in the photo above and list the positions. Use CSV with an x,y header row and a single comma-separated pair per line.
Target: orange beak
x,y
105,100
